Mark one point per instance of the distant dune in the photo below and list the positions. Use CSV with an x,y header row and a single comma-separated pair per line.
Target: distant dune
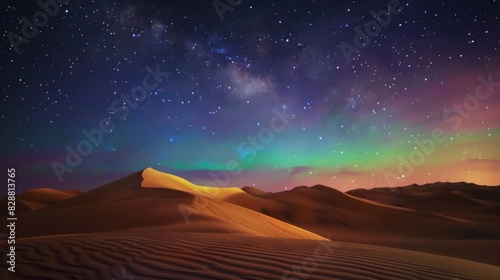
x,y
438,197
153,225
391,217
39,198
322,209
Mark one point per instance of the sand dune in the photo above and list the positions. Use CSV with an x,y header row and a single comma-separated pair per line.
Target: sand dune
x,y
478,206
354,219
43,197
322,209
125,204
156,179
438,197
153,225
38,198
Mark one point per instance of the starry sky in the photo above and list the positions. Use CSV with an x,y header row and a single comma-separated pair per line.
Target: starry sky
x,y
271,94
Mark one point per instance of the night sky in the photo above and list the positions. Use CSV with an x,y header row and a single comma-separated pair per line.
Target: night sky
x,y
271,94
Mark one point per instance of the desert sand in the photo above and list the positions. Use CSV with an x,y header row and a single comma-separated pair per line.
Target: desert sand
x,y
153,225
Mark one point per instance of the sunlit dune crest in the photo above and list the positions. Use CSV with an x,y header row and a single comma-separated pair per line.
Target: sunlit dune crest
x,y
156,179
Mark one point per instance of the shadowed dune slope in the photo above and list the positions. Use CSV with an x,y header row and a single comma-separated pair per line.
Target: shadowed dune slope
x,y
438,197
38,198
322,210
43,197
